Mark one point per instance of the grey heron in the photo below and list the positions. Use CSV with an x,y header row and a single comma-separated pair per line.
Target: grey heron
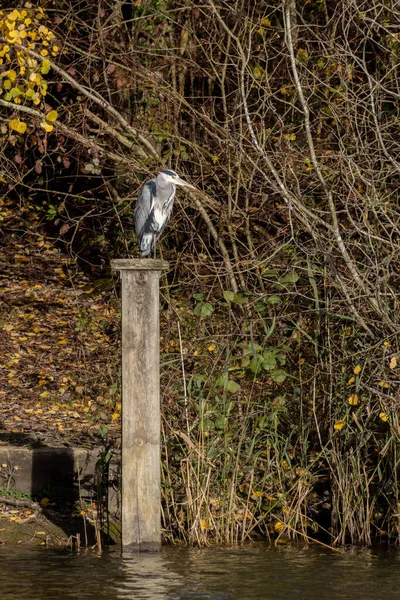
x,y
154,207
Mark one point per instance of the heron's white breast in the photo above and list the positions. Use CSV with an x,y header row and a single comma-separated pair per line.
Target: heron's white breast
x,y
159,217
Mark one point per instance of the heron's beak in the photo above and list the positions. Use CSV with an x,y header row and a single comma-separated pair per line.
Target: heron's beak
x,y
185,184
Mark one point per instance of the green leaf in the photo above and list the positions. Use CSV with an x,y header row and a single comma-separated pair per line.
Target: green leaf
x,y
256,365
45,67
203,309
270,273
245,361
228,295
103,431
290,277
274,299
281,358
279,375
240,299
269,362
232,386
198,296
220,423
208,425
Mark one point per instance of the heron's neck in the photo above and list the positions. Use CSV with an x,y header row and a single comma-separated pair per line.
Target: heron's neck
x,y
167,186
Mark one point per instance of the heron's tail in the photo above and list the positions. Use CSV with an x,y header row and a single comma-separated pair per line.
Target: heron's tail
x,y
146,243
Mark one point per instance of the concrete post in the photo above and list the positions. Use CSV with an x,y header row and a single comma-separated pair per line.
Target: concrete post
x,y
141,494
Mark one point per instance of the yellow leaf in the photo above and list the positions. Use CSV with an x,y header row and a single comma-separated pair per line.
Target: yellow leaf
x,y
354,400
384,416
211,347
357,369
384,384
393,362
45,66
12,75
387,344
279,526
52,116
62,342
203,524
351,380
43,394
17,125
339,425
258,72
13,16
115,416
46,126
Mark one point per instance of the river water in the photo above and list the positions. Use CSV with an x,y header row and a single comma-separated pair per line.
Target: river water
x,y
256,572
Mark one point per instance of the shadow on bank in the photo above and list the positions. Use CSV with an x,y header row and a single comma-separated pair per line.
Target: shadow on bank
x,y
76,488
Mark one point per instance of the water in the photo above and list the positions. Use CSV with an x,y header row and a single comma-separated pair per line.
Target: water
x,y
256,572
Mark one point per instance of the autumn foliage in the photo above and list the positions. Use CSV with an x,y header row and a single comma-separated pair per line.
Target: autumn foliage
x,y
283,420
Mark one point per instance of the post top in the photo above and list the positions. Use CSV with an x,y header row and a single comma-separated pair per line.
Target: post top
x,y
139,264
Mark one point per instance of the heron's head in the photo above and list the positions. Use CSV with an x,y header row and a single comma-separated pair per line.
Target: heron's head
x,y
169,176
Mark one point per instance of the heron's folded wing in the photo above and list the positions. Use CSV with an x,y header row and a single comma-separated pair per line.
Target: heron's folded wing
x,y
144,206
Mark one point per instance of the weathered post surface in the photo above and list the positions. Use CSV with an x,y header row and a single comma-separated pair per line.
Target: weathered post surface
x,y
141,494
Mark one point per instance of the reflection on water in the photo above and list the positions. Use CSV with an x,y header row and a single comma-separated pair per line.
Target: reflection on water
x,y
256,572
147,576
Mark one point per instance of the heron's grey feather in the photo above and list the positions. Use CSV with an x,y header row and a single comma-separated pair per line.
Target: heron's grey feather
x,y
152,212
